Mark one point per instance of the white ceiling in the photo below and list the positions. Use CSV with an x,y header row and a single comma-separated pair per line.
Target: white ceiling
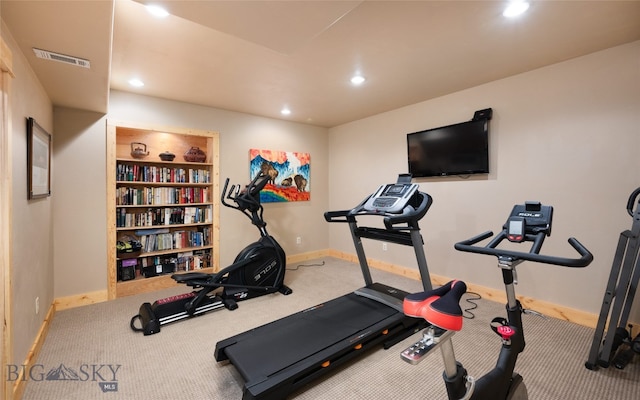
x,y
257,56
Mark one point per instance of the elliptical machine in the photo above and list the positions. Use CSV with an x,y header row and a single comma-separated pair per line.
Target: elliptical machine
x,y
618,300
530,222
257,270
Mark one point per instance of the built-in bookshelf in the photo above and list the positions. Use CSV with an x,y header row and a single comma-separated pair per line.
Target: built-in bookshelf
x,y
163,213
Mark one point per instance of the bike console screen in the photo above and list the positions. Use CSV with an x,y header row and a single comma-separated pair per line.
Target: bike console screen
x,y
529,218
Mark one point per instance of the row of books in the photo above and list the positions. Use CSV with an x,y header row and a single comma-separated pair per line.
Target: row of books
x,y
193,260
161,195
175,240
151,173
185,261
164,216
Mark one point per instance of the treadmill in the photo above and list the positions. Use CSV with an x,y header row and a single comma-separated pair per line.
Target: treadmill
x,y
278,358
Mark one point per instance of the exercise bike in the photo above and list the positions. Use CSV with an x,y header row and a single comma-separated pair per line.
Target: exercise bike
x,y
257,270
530,222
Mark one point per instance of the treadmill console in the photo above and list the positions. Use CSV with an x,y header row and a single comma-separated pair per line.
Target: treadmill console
x,y
391,198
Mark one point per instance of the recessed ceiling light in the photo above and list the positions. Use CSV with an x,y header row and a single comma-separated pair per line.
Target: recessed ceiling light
x,y
157,11
285,111
515,8
358,80
136,82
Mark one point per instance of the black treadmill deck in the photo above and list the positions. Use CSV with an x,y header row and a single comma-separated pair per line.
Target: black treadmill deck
x,y
296,349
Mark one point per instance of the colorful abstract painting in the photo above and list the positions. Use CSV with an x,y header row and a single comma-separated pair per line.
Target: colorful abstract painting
x,y
288,174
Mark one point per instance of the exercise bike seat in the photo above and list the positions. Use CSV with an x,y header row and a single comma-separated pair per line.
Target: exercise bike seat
x,y
414,303
440,306
190,276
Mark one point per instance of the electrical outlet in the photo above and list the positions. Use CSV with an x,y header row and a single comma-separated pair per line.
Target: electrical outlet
x,y
299,240
384,246
37,305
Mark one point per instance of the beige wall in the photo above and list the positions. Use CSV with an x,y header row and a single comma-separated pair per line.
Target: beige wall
x,y
80,230
32,244
566,135
80,251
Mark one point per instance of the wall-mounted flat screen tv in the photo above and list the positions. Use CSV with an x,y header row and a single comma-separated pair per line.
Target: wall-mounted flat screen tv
x,y
458,149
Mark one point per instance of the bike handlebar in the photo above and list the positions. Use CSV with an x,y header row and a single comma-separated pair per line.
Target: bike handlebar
x,y
491,249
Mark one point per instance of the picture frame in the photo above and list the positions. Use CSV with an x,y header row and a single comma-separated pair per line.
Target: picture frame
x,y
38,161
289,174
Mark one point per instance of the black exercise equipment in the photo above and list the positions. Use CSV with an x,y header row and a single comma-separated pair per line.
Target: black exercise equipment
x,y
618,299
280,357
530,222
257,270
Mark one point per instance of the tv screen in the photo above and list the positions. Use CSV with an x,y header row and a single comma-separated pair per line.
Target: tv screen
x,y
459,149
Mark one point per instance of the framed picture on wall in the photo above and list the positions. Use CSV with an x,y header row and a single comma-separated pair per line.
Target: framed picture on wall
x,y
38,160
289,177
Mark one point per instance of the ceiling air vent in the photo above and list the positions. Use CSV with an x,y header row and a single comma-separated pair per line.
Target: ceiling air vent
x,y
49,55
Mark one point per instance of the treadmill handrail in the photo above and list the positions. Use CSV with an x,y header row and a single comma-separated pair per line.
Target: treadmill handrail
x,y
338,216
409,214
490,249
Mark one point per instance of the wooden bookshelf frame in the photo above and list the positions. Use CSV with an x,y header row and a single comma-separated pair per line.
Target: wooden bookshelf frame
x,y
119,136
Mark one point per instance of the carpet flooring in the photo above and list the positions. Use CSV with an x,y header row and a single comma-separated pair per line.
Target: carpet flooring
x,y
91,353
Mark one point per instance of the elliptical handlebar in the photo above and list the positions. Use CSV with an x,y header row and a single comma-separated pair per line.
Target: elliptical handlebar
x,y
491,249
632,200
247,198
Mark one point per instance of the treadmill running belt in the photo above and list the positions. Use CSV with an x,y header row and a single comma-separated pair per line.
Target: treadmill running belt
x,y
287,341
